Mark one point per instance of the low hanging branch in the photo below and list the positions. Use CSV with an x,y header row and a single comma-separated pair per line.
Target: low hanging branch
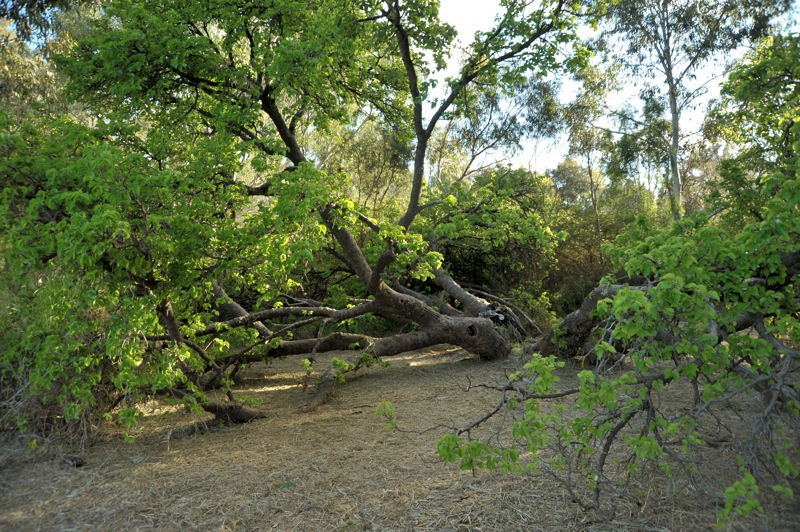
x,y
282,312
574,331
230,412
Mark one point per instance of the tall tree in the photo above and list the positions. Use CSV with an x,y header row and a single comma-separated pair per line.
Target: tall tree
x,y
586,138
674,39
492,121
25,78
36,17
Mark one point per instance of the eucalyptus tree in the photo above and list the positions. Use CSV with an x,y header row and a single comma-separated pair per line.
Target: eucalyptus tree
x,y
25,78
587,140
489,125
38,18
674,40
174,236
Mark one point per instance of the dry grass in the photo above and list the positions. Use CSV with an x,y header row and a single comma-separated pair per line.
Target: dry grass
x,y
337,468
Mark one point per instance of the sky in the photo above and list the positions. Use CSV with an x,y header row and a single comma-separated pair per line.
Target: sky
x,y
468,16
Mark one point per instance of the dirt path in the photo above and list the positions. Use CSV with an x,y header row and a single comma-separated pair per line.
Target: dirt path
x,y
337,468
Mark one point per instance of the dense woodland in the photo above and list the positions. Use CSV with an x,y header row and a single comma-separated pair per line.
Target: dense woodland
x,y
192,187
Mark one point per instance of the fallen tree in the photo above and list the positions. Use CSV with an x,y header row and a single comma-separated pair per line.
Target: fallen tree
x,y
167,242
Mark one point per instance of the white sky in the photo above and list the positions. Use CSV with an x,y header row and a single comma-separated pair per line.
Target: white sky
x,y
468,16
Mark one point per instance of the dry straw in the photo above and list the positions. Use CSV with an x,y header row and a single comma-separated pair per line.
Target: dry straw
x,y
336,468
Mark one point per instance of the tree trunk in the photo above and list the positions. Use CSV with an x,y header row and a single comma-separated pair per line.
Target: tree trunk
x,y
229,412
570,337
474,334
677,202
593,190
675,138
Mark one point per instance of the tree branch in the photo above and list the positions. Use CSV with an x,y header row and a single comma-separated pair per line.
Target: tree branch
x,y
331,313
473,305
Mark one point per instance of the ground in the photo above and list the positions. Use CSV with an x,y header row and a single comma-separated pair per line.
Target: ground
x,y
336,468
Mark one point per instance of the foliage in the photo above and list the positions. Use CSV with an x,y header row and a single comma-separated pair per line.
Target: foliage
x,y
716,318
37,17
171,228
385,410
25,77
576,213
231,182
672,40
94,241
375,156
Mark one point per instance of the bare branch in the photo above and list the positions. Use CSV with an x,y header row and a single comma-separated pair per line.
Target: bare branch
x,y
473,305
327,312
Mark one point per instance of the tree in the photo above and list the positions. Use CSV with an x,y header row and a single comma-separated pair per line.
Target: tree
x,y
492,121
586,138
374,156
702,166
710,309
25,78
178,229
675,39
38,18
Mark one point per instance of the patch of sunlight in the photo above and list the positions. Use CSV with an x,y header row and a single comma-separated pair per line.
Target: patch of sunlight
x,y
427,362
274,388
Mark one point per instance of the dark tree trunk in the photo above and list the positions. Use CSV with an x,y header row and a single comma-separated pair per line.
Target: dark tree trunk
x,y
229,412
570,337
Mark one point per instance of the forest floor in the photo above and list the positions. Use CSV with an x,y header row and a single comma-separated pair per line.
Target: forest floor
x,y
336,468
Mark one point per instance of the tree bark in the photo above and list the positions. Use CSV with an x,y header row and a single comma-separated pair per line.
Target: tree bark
x,y
568,337
677,202
593,190
572,333
230,412
476,335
